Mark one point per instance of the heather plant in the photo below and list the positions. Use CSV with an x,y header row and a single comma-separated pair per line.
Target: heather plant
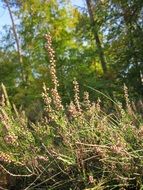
x,y
78,146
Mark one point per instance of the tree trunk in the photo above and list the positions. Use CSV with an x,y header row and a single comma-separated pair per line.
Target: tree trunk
x,y
16,39
96,36
127,15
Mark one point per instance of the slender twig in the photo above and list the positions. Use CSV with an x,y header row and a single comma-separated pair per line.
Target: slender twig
x,y
55,160
92,145
1,188
38,177
15,175
60,183
47,180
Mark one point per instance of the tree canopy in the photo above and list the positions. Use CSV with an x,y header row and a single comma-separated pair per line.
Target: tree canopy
x,y
100,44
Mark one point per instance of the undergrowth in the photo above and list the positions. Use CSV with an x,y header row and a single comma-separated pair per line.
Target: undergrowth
x,y
73,147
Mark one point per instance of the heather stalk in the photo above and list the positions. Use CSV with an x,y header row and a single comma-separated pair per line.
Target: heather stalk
x,y
128,103
76,95
5,99
54,91
86,101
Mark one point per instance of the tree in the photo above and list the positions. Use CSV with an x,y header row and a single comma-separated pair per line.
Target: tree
x,y
96,36
128,36
16,39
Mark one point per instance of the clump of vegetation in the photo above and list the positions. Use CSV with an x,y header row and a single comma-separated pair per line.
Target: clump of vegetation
x,y
77,146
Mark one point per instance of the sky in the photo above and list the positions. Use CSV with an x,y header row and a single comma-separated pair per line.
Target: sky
x,y
5,19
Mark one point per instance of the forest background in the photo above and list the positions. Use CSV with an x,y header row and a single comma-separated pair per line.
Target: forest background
x,y
100,43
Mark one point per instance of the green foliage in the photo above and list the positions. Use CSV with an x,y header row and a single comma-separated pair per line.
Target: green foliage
x,y
77,54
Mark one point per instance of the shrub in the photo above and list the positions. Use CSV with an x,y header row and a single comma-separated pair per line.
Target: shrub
x,y
77,146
